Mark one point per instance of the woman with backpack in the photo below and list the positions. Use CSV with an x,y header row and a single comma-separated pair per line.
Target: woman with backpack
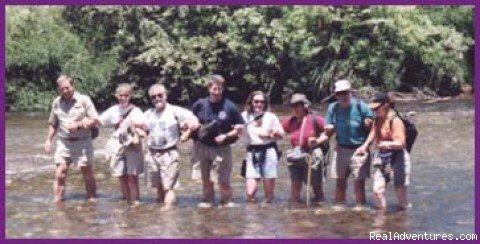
x,y
262,129
392,158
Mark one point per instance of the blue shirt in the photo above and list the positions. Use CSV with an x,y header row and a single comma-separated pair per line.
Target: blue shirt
x,y
348,122
225,113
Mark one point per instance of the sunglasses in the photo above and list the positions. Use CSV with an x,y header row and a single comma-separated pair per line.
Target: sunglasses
x,y
299,104
159,95
342,93
259,101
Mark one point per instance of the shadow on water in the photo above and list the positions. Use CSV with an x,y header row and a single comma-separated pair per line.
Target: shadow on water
x,y
441,192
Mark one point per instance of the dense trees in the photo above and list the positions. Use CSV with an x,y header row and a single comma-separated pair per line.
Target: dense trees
x,y
276,49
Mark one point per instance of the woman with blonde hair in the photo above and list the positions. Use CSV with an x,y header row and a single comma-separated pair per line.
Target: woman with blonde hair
x,y
125,149
263,128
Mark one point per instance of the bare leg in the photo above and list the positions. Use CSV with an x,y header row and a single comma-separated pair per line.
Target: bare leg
x,y
59,184
160,194
90,184
251,189
402,197
225,192
269,186
170,197
133,188
123,180
340,190
360,192
296,189
208,193
379,185
318,192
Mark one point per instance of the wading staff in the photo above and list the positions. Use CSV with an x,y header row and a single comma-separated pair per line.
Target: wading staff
x,y
309,177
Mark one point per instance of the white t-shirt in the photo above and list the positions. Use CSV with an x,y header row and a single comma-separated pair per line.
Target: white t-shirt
x,y
114,114
269,122
164,130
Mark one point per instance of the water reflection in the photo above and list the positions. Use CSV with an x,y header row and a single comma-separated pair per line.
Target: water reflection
x,y
442,201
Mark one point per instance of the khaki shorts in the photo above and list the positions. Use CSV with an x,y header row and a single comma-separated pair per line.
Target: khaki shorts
x,y
343,165
211,163
399,170
79,152
163,168
129,162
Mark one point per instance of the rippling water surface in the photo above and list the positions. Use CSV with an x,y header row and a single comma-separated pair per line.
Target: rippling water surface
x,y
441,192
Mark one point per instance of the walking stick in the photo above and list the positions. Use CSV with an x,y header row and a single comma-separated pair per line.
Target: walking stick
x,y
309,177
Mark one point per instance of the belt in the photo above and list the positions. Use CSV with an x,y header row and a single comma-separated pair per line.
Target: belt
x,y
261,147
154,150
73,138
350,146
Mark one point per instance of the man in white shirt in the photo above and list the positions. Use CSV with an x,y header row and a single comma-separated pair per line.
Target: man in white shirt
x,y
163,124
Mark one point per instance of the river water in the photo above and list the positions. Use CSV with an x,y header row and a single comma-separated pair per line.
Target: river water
x,y
441,193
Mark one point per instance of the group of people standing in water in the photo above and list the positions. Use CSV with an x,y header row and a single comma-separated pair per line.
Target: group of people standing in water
x,y
214,124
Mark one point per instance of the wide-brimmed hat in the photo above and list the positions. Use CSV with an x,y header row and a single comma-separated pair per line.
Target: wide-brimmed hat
x,y
300,98
378,100
342,85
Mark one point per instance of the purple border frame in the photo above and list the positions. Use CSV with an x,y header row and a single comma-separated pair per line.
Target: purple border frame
x,y
235,2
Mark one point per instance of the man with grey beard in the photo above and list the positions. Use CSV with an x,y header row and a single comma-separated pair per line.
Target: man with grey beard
x,y
163,124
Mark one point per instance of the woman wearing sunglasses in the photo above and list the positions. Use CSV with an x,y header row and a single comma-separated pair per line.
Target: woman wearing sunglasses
x,y
263,128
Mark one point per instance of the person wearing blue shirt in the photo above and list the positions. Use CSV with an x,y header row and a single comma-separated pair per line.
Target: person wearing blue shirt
x,y
350,119
212,156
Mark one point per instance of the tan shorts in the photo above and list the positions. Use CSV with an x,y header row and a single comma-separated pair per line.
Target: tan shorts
x,y
163,168
129,162
343,165
79,152
212,163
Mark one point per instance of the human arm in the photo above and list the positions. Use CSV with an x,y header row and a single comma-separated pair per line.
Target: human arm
x,y
48,142
364,147
274,130
237,125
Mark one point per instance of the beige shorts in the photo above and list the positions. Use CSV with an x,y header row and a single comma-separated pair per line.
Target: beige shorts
x,y
163,168
129,162
79,152
211,163
343,165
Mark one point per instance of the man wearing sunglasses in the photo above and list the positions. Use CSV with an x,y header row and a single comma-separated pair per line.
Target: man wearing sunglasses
x,y
163,123
212,154
350,119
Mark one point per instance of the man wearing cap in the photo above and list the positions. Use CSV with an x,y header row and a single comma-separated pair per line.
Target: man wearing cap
x,y
350,119
303,133
212,154
71,117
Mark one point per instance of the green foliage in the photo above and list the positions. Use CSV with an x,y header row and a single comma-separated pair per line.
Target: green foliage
x,y
279,50
40,48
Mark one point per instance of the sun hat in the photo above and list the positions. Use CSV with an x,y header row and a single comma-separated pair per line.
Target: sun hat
x,y
342,85
300,98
